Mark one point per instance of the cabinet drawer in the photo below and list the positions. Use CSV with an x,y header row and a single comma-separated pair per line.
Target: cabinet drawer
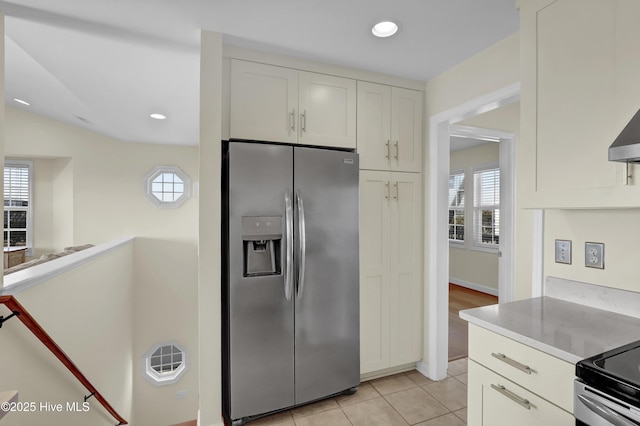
x,y
541,373
496,401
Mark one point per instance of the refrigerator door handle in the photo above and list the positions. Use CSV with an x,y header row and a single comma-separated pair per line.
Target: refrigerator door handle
x,y
301,243
288,267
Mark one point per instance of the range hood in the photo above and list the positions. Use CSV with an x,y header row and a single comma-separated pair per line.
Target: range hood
x,y
626,147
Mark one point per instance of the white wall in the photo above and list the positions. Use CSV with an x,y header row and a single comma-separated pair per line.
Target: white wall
x,y
88,311
467,266
209,290
98,195
619,230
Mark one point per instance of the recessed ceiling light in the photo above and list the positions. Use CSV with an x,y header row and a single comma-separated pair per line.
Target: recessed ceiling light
x,y
384,29
20,101
157,116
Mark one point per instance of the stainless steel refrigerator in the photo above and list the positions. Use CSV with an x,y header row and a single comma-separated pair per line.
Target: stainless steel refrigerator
x,y
290,277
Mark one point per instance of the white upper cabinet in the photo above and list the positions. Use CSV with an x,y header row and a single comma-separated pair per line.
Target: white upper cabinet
x,y
327,110
406,130
580,87
389,128
264,101
374,126
280,104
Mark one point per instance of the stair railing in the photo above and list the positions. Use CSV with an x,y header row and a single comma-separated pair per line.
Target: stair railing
x,y
17,310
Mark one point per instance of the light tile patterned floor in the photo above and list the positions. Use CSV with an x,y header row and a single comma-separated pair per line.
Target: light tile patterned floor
x,y
398,400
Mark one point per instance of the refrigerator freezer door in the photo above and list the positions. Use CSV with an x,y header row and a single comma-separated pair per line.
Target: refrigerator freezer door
x,y
261,327
327,312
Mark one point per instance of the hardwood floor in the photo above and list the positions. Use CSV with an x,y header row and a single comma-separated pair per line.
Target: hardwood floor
x,y
463,298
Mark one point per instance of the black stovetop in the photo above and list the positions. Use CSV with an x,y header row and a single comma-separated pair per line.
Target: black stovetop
x,y
615,372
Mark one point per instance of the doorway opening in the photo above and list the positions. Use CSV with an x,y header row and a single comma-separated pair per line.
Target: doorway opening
x,y
438,225
474,207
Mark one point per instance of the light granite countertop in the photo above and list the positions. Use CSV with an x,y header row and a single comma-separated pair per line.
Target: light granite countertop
x,y
566,330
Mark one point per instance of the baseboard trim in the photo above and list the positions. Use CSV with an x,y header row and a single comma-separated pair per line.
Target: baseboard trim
x,y
386,372
474,286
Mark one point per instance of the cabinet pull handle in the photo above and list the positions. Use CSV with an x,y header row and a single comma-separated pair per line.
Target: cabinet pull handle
x,y
386,191
513,363
303,121
293,120
395,185
388,149
512,396
397,151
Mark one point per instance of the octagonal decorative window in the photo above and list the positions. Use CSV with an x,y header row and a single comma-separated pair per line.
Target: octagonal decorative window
x,y
164,363
167,186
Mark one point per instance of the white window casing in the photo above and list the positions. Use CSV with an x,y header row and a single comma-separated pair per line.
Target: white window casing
x,y
486,208
18,204
456,202
167,186
164,363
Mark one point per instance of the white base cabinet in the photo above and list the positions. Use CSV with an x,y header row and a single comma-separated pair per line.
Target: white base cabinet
x,y
390,269
496,401
512,383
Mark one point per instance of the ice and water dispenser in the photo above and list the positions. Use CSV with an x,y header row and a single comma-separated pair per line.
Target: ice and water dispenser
x,y
261,245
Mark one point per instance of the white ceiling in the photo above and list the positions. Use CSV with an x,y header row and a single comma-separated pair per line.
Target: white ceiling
x,y
107,64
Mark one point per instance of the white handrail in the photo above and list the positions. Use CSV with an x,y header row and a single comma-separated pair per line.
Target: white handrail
x,y
22,280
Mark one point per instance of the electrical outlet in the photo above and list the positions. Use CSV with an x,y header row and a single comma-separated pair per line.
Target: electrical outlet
x,y
594,255
563,251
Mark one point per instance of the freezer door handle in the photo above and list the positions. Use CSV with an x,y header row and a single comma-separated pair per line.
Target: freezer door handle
x,y
302,243
288,267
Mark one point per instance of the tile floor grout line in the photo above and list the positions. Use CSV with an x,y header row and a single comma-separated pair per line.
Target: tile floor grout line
x,y
458,415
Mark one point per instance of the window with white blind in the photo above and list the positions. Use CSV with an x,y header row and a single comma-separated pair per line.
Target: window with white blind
x,y
456,208
17,205
486,208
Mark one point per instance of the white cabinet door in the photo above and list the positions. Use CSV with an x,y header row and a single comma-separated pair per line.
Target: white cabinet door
x,y
406,130
575,95
579,90
389,128
390,269
374,126
264,102
405,293
327,110
374,270
496,401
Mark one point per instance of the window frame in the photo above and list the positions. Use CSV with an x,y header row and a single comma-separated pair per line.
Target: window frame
x,y
158,171
164,378
460,243
475,244
28,164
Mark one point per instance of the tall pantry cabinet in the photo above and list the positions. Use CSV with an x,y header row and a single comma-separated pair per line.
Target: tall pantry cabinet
x,y
389,142
276,103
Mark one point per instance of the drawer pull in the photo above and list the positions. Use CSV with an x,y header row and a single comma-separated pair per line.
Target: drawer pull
x,y
513,363
512,396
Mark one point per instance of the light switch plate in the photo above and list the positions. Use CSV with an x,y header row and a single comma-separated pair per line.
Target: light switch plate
x,y
563,251
594,255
